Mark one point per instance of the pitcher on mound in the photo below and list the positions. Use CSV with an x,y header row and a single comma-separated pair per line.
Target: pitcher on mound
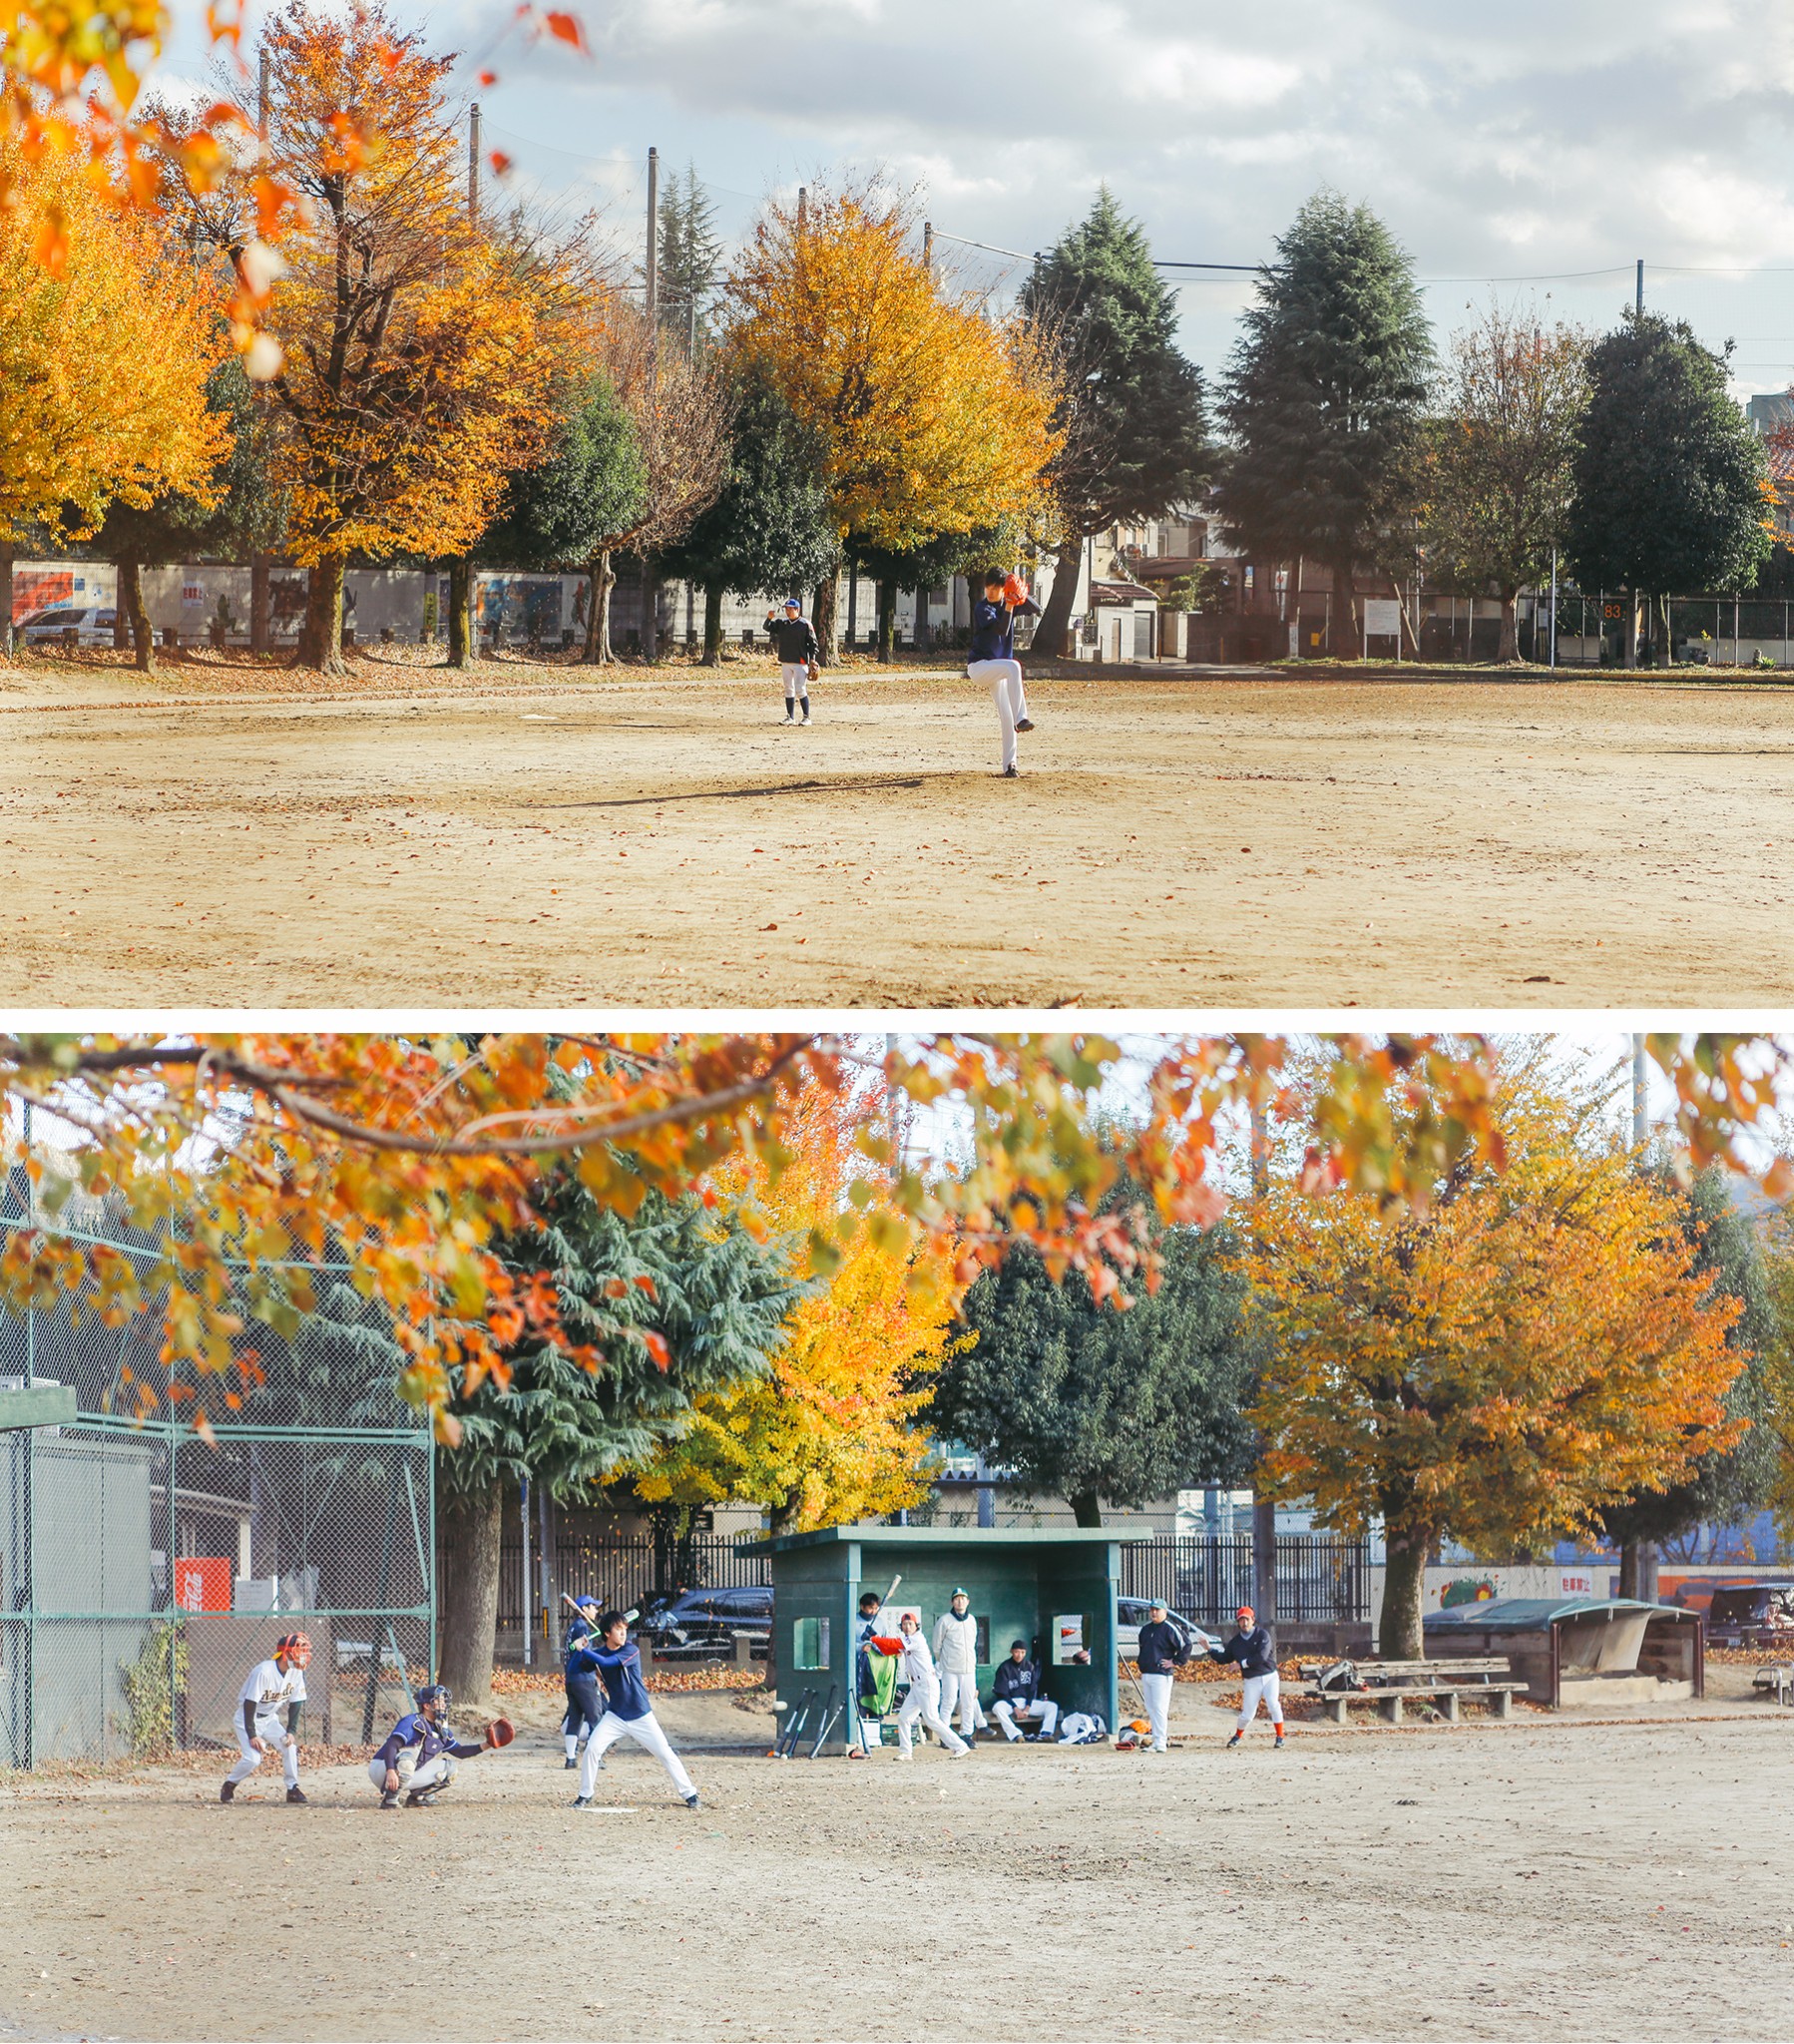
x,y
992,658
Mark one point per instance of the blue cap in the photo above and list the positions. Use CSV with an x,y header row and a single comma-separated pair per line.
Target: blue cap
x,y
791,604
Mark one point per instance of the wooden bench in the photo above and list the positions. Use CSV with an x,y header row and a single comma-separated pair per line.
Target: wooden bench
x,y
1391,1685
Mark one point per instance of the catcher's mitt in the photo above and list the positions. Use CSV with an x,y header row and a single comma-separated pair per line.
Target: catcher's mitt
x,y
500,1732
815,669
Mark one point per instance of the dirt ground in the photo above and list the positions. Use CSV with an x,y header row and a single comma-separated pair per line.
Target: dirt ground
x,y
531,838
1360,1884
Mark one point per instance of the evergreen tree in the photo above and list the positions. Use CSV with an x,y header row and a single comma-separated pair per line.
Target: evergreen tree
x,y
244,514
691,258
1667,484
769,528
1137,433
1324,400
714,1295
1093,1404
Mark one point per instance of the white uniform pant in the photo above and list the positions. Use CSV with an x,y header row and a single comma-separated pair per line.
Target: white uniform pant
x,y
795,674
436,1772
1045,1710
924,1702
646,1732
1257,1686
1005,680
960,1692
270,1730
1156,1688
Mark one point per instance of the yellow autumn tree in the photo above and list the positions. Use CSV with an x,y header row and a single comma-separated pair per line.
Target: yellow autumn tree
x,y
105,343
933,417
1535,1345
418,350
830,1435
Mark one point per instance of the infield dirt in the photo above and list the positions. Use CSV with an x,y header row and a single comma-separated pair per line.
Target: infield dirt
x,y
523,838
1526,1880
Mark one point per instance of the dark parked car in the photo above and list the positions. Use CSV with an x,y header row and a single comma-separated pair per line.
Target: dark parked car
x,y
1752,1615
702,1625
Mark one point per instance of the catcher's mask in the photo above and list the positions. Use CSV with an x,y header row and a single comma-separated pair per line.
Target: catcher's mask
x,y
294,1648
433,1701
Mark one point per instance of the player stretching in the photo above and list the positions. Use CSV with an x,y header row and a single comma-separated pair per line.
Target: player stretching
x,y
420,1753
795,641
583,1708
992,658
268,1686
1251,1647
618,1663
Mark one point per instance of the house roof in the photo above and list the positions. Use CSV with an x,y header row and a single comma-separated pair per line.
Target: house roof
x,y
1121,593
949,1536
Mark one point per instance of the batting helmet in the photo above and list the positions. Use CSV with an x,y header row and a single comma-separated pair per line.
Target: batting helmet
x,y
434,1693
294,1647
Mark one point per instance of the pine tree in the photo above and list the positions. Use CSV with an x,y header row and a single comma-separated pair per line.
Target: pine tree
x,y
712,1295
1089,1402
1324,397
1668,481
1135,428
691,259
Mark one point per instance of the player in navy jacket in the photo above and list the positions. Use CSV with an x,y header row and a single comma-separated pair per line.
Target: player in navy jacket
x,y
1251,1647
1016,1692
992,655
420,1754
617,1662
583,1708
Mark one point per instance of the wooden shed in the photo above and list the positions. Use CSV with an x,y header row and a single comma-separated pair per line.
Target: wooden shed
x,y
1057,1588
1582,1649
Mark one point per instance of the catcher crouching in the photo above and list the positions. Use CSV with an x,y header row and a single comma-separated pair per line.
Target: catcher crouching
x,y
421,1755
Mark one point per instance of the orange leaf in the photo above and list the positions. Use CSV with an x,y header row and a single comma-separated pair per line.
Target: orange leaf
x,y
655,1345
567,29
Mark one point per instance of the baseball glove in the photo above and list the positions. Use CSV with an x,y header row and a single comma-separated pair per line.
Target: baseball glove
x,y
815,670
500,1732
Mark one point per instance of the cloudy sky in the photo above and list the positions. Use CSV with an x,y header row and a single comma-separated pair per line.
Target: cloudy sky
x,y
1524,140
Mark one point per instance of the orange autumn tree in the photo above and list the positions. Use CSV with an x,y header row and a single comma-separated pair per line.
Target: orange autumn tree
x,y
1535,1345
419,350
933,418
104,357
829,1433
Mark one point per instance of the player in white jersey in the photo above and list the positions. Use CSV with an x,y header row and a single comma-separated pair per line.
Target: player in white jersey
x,y
924,1698
271,1688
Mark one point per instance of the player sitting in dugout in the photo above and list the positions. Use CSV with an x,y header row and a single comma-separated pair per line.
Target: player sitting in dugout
x,y
1018,1693
421,1755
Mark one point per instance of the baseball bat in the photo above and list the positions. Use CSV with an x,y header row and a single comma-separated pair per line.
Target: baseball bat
x,y
829,1714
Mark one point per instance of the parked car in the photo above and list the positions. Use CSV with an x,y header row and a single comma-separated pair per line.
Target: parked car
x,y
703,1624
1752,1615
1132,1613
92,625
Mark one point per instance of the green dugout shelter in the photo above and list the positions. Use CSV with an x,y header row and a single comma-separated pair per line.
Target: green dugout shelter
x,y
1056,1588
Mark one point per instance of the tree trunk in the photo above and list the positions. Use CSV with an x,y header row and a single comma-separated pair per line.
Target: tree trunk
x,y
712,625
1399,1635
130,607
1264,1559
823,617
1509,645
470,1590
1631,628
462,646
1055,615
121,618
1345,614
1638,1570
1087,1507
597,611
6,559
921,629
320,640
260,604
887,619
1668,658
651,610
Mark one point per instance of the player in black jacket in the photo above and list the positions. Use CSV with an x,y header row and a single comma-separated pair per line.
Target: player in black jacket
x,y
1251,1647
794,640
1162,1650
1016,1692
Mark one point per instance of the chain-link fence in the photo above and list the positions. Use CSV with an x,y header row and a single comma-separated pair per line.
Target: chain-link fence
x,y
144,1569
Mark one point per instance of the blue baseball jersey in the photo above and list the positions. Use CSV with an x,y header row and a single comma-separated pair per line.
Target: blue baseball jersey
x,y
620,1671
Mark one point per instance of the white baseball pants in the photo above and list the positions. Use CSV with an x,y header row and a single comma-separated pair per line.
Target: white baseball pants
x,y
795,675
436,1772
646,1732
279,1739
1257,1686
1044,1713
960,1692
1156,1688
924,1702
1005,680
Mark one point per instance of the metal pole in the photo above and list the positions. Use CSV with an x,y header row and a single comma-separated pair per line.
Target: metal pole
x,y
1637,1092
1638,299
524,1489
544,1558
1554,657
650,268
803,203
473,164
928,246
1264,1510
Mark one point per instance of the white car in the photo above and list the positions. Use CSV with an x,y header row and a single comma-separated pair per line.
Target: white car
x,y
90,624
1132,1613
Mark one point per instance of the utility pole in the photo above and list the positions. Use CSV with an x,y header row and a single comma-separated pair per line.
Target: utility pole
x,y
258,561
1639,1558
473,164
1639,298
928,246
650,273
1264,1510
803,204
1554,657
1639,1130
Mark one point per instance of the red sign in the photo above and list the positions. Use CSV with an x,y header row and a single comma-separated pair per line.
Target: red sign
x,y
203,1583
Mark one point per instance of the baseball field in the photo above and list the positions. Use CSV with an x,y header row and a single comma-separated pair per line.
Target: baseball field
x,y
1535,1880
528,836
